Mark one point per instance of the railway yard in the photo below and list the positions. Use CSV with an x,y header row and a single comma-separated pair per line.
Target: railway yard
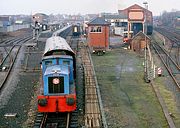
x,y
72,74
110,93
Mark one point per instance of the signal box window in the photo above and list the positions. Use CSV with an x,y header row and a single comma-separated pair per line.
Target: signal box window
x,y
96,29
56,84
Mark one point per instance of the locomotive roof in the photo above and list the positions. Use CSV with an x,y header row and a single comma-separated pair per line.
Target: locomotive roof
x,y
59,69
57,43
57,56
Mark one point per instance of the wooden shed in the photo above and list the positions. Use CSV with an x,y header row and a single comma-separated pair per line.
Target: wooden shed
x,y
138,42
98,34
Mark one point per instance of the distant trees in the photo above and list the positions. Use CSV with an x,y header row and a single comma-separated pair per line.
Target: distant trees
x,y
168,18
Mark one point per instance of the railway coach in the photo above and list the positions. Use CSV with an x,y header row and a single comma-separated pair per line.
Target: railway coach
x,y
76,30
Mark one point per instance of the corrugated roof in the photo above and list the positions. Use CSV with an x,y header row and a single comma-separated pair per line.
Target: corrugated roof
x,y
98,21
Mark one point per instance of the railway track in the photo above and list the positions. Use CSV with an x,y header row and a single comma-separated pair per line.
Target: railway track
x,y
171,35
173,30
93,115
15,40
169,63
27,66
11,55
55,120
16,43
7,40
88,93
170,60
9,70
93,107
163,50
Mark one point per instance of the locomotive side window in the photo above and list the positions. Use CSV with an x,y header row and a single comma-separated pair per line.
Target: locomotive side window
x,y
56,84
65,62
48,63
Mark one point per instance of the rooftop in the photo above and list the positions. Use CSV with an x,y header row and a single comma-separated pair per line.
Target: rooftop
x,y
120,16
98,21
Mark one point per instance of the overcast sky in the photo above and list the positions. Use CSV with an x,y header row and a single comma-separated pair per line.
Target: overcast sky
x,y
81,6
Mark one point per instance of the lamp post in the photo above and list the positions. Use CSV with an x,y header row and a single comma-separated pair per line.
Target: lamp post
x,y
145,4
145,18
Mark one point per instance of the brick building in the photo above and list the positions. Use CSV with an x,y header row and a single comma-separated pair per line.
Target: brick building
x,y
139,19
98,34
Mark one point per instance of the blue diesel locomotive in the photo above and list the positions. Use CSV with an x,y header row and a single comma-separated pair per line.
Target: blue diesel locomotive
x,y
58,77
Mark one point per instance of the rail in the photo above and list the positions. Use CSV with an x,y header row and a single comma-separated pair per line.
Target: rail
x,y
170,72
9,70
48,120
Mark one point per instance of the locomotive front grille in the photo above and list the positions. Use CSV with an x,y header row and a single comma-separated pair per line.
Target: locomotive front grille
x,y
56,84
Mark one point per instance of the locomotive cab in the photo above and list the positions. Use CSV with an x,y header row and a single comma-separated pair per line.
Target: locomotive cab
x,y
56,80
59,90
61,61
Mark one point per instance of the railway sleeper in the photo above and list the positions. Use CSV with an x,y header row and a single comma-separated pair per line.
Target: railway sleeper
x,y
92,122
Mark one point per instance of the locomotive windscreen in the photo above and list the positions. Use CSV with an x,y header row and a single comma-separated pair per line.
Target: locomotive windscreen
x,y
75,29
56,84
